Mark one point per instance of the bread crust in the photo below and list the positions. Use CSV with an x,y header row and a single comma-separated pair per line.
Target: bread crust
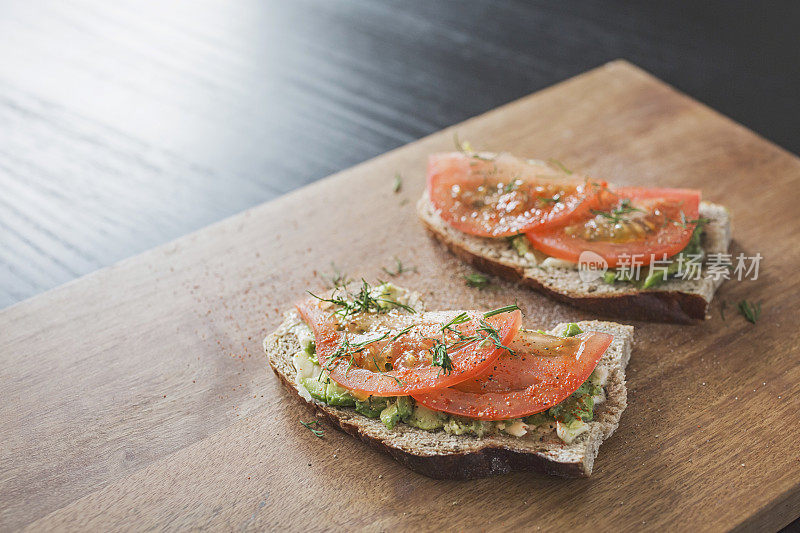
x,y
470,457
674,306
488,461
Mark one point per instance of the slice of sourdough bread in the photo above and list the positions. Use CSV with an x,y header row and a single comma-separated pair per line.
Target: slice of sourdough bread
x,y
441,455
674,300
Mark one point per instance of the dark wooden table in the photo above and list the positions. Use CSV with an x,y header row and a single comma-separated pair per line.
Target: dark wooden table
x,y
125,124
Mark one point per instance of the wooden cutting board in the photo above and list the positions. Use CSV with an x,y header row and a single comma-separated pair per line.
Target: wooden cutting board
x,y
138,397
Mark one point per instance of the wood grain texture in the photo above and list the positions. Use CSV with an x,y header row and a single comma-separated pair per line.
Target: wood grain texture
x,y
138,397
128,124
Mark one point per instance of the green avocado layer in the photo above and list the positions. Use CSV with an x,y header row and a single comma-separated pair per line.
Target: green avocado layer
x,y
578,407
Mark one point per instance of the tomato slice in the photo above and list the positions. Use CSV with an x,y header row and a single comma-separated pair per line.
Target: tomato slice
x,y
634,222
544,371
505,195
393,354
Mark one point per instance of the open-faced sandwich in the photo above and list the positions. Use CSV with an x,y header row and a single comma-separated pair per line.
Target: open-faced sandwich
x,y
455,394
645,250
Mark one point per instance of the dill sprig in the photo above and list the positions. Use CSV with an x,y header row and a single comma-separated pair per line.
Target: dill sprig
x,y
365,301
394,338
476,280
553,200
319,432
335,300
494,336
337,278
398,183
616,214
484,333
361,346
405,307
698,222
400,268
440,357
347,348
560,165
362,302
511,186
401,333
499,310
463,340
383,371
466,149
751,311
458,319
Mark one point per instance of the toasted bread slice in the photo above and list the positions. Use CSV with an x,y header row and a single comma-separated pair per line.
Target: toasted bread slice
x,y
441,455
674,300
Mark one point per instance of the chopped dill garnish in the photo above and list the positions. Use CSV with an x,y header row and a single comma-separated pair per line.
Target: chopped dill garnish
x,y
626,207
459,319
499,310
401,333
441,357
684,222
399,268
485,333
494,336
398,183
615,215
463,340
479,281
362,345
349,349
559,164
554,200
337,278
335,300
466,149
461,146
511,186
385,370
319,432
362,302
404,307
751,311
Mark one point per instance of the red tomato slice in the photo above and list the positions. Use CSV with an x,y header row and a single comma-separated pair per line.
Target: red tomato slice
x,y
505,195
371,357
637,222
544,371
